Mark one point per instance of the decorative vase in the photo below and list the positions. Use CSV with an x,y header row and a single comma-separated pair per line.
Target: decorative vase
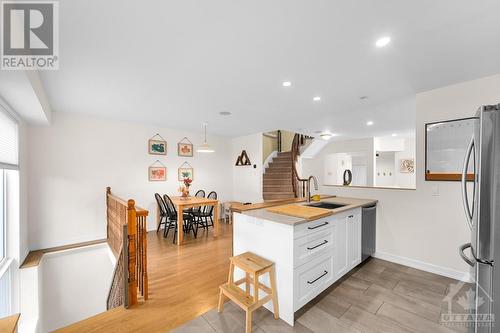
x,y
185,192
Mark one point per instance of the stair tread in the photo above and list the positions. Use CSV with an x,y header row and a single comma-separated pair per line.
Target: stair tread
x,y
278,193
237,295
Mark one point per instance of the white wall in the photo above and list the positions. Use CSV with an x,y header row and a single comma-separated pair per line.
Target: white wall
x,y
71,290
315,166
384,169
414,226
247,180
72,161
405,180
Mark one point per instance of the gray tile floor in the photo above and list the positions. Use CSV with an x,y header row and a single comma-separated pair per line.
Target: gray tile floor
x,y
378,296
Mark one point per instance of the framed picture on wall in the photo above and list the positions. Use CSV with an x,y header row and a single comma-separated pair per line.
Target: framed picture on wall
x,y
185,148
157,173
184,173
407,165
157,145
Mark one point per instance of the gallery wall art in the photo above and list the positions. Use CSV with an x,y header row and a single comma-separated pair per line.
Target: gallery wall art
x,y
185,171
185,148
157,172
157,145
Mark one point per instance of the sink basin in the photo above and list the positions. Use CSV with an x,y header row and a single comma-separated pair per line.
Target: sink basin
x,y
326,205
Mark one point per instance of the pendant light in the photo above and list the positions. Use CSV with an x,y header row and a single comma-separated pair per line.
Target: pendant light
x,y
205,147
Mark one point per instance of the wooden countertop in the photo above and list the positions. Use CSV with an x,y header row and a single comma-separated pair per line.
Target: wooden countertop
x,y
264,214
9,324
240,208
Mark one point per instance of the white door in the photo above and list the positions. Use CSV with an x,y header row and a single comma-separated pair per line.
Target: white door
x,y
353,222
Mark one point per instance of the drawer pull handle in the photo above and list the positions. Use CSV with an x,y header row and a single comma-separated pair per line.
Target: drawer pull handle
x,y
319,277
318,226
350,216
320,244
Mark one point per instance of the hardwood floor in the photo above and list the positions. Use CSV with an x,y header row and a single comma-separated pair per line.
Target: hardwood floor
x,y
183,283
378,296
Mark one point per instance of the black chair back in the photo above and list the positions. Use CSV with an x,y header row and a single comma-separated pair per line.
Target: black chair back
x,y
209,209
171,211
161,205
200,194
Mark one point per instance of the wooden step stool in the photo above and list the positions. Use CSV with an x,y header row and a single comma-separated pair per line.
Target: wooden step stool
x,y
253,266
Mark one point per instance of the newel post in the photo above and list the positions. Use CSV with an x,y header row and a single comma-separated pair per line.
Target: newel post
x,y
132,251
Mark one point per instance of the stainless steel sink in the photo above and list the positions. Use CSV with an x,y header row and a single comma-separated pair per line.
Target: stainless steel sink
x,y
326,205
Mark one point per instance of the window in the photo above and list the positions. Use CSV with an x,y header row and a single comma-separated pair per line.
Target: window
x,y
3,227
9,160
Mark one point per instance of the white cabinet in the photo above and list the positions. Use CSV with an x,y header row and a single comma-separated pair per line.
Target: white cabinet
x,y
347,241
353,222
309,257
341,243
312,278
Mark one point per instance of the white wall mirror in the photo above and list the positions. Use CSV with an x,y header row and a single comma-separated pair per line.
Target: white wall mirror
x,y
445,146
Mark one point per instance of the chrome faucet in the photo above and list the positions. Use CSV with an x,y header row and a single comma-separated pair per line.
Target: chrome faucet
x,y
309,187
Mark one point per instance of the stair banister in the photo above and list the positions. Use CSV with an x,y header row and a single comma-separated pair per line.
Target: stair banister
x,y
298,184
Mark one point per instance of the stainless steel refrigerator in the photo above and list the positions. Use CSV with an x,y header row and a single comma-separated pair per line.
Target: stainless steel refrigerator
x,y
482,210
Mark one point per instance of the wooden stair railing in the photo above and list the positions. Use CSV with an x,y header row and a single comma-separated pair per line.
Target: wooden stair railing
x,y
127,238
298,184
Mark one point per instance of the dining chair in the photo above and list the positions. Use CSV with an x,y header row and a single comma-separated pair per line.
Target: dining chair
x,y
199,194
172,219
163,211
205,213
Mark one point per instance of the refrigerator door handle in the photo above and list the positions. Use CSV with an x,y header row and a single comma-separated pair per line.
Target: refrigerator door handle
x,y
462,254
465,198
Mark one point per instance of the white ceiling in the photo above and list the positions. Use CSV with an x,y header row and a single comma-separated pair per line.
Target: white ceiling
x,y
179,63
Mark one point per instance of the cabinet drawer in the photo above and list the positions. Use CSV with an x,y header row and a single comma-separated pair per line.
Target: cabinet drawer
x,y
312,278
313,226
312,246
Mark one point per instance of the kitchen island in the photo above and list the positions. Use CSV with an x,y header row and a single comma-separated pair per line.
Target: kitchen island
x,y
309,253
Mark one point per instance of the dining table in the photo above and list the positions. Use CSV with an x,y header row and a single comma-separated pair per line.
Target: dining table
x,y
183,203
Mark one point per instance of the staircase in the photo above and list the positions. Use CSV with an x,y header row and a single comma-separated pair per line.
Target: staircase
x,y
278,178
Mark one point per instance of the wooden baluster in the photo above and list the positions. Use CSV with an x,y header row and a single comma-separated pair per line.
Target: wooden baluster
x,y
132,251
145,260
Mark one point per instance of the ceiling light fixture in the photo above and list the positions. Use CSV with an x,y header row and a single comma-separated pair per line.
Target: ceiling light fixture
x,y
384,41
287,84
327,135
205,147
316,98
394,134
369,123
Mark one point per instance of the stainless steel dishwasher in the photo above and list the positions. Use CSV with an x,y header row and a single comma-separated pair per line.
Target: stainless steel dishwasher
x,y
369,231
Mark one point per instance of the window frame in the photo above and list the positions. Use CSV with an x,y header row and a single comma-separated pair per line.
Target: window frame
x,y
7,261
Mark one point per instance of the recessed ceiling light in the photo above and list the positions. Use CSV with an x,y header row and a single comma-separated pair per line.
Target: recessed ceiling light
x,y
287,84
384,41
225,113
394,134
316,98
369,123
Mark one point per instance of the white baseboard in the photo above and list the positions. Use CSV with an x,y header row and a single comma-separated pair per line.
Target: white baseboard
x,y
424,266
